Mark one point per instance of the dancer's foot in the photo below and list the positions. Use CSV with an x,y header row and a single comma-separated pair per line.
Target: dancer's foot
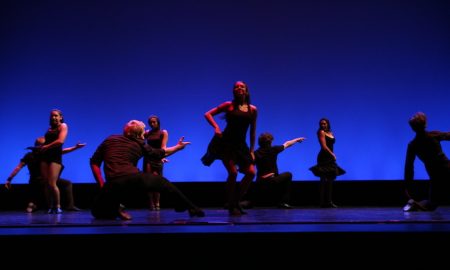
x,y
31,207
328,205
196,212
73,209
122,214
55,210
284,206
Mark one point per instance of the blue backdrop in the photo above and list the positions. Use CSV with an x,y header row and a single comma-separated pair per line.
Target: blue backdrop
x,y
366,65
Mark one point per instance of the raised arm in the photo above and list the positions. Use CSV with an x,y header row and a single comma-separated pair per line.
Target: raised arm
x,y
73,148
179,146
441,136
289,143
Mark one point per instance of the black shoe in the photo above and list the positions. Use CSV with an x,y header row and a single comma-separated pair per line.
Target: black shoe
x,y
73,209
242,211
328,205
246,204
226,206
54,210
196,212
412,206
180,208
284,206
235,212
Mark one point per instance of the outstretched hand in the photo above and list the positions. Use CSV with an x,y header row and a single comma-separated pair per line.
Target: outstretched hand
x,y
80,145
8,185
182,143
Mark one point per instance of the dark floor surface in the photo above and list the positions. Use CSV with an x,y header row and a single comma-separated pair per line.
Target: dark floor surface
x,y
343,218
369,233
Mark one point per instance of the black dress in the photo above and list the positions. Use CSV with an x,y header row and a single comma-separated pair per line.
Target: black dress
x,y
154,139
53,154
232,145
326,165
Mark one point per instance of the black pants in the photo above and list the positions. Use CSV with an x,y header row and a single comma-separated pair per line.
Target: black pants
x,y
275,190
107,203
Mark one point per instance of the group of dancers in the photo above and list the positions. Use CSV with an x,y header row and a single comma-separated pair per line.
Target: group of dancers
x,y
119,154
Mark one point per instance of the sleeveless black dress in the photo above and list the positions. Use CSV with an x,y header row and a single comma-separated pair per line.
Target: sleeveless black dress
x,y
326,165
53,154
154,139
232,145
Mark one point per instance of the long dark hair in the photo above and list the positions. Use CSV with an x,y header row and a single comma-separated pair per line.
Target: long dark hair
x,y
157,120
328,124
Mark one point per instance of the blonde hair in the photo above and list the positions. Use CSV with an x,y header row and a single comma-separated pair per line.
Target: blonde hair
x,y
134,129
39,141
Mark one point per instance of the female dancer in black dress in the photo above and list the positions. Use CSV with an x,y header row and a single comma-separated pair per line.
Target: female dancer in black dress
x,y
157,138
231,147
326,167
51,158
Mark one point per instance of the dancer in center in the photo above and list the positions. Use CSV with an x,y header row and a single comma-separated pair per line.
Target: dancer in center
x,y
326,168
231,147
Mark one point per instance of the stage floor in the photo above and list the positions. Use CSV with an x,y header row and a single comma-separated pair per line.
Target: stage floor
x,y
328,236
382,219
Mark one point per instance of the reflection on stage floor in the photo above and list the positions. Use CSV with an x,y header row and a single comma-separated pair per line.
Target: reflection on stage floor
x,y
257,219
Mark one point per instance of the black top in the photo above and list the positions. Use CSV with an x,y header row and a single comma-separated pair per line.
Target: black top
x,y
53,154
154,138
266,160
121,155
237,125
32,161
427,147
